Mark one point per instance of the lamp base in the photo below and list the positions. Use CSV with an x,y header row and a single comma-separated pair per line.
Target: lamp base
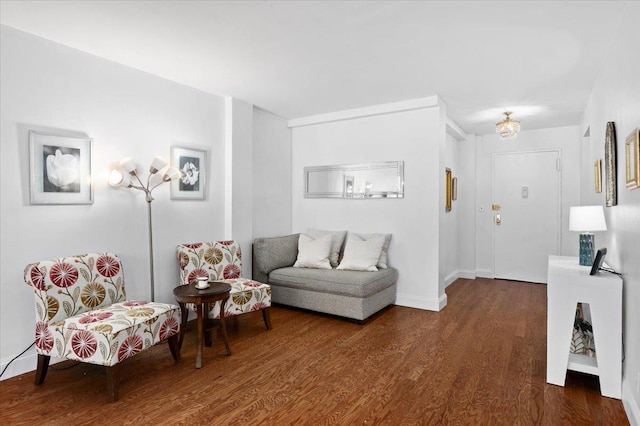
x,y
587,242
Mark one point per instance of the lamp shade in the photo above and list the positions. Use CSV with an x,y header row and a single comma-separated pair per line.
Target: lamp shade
x,y
118,178
128,165
157,164
171,174
587,219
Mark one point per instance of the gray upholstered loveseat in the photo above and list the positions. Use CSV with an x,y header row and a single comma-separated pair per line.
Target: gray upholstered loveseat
x,y
351,294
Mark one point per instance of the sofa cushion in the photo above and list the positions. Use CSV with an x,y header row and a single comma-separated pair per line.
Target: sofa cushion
x,y
313,252
348,283
382,261
337,240
361,255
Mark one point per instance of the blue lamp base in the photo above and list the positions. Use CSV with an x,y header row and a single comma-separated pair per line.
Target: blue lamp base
x,y
587,242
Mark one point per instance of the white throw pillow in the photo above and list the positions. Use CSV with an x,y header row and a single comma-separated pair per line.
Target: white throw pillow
x,y
313,252
361,255
337,238
382,261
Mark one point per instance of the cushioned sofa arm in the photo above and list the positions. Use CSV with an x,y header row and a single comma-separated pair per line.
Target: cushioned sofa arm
x,y
273,253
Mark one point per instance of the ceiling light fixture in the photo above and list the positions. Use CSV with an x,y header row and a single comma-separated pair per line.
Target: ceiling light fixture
x,y
508,128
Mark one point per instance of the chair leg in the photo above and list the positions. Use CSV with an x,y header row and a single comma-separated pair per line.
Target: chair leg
x,y
43,366
112,382
266,315
174,346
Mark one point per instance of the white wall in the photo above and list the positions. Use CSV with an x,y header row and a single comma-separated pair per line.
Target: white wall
x,y
50,87
566,140
239,177
271,175
616,97
412,136
466,207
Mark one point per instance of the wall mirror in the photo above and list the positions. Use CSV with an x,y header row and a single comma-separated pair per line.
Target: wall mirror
x,y
359,181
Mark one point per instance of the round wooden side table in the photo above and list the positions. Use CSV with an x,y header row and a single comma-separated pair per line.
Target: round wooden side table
x,y
188,293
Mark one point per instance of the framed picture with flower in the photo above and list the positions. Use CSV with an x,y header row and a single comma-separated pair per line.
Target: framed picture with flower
x,y
192,164
60,169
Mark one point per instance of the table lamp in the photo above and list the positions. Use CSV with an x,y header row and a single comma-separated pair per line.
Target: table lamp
x,y
586,220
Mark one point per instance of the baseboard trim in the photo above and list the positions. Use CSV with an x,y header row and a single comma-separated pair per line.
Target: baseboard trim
x,y
24,364
428,304
631,406
483,273
442,302
467,275
451,278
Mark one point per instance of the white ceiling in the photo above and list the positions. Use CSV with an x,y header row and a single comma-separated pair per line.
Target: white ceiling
x,y
296,59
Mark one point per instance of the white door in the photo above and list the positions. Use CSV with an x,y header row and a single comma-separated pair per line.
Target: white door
x,y
526,214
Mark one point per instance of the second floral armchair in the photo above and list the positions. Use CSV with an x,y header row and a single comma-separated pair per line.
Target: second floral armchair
x,y
222,261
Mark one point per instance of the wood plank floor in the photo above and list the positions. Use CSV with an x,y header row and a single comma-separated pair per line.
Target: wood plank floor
x,y
480,361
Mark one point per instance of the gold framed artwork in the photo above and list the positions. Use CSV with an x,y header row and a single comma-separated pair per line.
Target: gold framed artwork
x,y
454,189
632,159
597,172
449,189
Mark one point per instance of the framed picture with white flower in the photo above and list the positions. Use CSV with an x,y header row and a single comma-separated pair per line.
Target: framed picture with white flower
x,y
192,164
60,169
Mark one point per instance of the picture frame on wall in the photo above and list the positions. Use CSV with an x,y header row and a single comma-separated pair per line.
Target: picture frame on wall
x,y
59,169
632,159
454,189
449,189
611,188
597,173
192,163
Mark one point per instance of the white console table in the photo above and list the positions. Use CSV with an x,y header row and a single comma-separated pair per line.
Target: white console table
x,y
569,283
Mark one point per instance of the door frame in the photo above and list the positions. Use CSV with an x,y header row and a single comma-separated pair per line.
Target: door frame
x,y
493,195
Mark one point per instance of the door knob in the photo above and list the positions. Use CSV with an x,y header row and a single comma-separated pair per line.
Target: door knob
x,y
498,219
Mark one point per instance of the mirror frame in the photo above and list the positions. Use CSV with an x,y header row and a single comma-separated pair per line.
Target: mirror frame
x,y
348,180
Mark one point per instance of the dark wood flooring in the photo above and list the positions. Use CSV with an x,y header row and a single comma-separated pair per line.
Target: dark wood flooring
x,y
480,361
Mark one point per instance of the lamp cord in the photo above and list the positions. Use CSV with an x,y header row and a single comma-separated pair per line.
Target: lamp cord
x,y
16,357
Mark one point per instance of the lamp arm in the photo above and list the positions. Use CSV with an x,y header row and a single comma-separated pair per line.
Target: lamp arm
x,y
156,185
146,191
140,182
138,188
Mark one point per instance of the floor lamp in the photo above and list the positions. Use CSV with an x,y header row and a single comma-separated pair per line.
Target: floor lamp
x,y
123,177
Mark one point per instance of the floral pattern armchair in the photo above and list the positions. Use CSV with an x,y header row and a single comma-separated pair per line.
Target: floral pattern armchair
x,y
222,261
82,315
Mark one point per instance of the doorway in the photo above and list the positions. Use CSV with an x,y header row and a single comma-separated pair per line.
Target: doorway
x,y
526,213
